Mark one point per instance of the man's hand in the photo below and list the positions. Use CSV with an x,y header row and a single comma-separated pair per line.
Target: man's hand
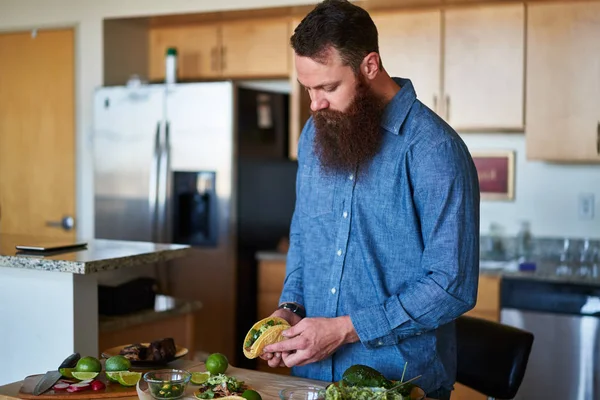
x,y
274,359
313,339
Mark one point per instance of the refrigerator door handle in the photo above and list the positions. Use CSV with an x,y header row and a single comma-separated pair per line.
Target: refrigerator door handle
x,y
153,186
163,186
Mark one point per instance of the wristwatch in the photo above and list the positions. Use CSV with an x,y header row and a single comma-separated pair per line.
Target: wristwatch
x,y
295,308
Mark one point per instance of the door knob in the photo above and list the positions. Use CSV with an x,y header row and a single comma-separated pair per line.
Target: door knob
x,y
67,223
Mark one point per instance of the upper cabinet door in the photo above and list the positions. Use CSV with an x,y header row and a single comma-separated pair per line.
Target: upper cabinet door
x,y
197,51
563,82
484,67
255,48
409,44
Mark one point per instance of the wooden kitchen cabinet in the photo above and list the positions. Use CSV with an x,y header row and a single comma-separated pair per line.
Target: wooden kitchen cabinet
x,y
484,67
410,47
563,82
254,48
466,63
197,51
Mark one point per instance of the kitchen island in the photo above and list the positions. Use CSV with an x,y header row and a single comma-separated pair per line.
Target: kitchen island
x,y
49,302
267,384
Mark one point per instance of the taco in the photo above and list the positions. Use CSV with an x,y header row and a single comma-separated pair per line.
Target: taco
x,y
221,387
264,332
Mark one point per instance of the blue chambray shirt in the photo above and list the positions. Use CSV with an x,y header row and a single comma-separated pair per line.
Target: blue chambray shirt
x,y
395,246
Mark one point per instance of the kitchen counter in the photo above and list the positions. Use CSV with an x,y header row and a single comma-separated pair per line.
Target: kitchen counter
x,y
267,384
99,255
544,271
49,302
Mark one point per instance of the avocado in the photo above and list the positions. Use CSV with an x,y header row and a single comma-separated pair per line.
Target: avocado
x,y
365,376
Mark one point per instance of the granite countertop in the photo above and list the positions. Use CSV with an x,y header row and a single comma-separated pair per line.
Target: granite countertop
x,y
99,255
544,271
165,307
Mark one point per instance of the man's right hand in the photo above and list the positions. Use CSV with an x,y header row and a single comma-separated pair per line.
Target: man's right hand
x,y
274,359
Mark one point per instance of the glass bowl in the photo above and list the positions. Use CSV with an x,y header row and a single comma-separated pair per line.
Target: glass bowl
x,y
167,384
303,393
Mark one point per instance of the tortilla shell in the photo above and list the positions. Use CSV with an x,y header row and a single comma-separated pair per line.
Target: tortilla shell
x,y
270,336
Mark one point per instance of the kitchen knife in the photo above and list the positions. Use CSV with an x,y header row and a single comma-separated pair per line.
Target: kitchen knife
x,y
51,377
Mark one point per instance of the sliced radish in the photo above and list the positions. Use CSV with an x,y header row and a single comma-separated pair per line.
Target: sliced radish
x,y
60,386
78,387
87,381
98,385
69,381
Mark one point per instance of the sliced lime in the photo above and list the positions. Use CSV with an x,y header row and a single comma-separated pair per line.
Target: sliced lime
x,y
66,372
198,378
113,376
82,376
127,378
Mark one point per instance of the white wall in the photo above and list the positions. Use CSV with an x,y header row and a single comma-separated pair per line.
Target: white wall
x,y
545,194
86,16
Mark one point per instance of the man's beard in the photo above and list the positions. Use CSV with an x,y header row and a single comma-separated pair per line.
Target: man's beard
x,y
346,139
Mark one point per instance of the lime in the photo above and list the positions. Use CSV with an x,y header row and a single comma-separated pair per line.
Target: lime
x,y
117,363
82,376
198,378
88,364
113,376
127,378
251,395
217,363
66,372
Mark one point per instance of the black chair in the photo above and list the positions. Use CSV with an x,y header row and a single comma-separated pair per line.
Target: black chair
x,y
492,357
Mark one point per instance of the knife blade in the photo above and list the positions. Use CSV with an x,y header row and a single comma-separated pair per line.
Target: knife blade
x,y
51,377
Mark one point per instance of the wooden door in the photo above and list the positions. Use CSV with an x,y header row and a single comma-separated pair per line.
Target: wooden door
x,y
563,82
255,48
37,134
409,44
484,67
197,51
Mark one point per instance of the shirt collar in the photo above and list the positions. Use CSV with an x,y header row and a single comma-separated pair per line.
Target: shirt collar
x,y
397,109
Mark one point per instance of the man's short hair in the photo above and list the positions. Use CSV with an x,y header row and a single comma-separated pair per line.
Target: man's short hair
x,y
338,24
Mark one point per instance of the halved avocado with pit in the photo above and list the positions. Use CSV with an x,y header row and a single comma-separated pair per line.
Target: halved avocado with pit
x,y
365,376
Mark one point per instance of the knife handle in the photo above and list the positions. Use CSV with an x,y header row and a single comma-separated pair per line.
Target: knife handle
x,y
70,362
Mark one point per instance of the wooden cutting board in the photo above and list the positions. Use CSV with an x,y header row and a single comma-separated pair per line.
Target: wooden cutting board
x,y
112,390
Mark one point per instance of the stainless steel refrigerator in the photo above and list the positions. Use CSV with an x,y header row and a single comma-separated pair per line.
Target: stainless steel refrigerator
x,y
164,172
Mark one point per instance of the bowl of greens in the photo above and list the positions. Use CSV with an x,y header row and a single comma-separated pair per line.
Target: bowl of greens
x,y
167,384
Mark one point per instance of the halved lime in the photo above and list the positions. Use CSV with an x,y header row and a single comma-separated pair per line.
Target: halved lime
x,y
127,378
82,376
198,378
66,372
113,376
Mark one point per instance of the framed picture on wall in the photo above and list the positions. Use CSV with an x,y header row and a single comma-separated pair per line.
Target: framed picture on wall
x,y
496,171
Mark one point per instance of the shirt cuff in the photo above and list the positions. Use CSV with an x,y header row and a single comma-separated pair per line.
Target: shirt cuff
x,y
375,325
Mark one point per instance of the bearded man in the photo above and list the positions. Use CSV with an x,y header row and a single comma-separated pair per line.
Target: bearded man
x,y
384,240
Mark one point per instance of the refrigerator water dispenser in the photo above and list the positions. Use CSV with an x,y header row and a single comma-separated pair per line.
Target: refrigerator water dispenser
x,y
195,208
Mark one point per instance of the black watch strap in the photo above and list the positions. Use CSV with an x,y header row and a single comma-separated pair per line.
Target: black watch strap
x,y
295,308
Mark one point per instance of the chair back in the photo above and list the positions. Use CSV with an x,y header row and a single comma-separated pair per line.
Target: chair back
x,y
492,357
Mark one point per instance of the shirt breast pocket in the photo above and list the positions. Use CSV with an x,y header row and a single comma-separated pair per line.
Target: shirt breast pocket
x,y
317,192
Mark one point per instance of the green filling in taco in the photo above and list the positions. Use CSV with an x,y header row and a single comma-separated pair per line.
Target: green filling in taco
x,y
256,333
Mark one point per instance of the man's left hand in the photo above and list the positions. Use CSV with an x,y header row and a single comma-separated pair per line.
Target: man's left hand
x,y
313,339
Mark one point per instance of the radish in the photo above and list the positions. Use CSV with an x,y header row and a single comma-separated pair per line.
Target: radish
x,y
98,385
78,387
87,381
61,386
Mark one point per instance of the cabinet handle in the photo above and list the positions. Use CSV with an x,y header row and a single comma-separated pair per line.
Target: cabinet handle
x,y
598,138
223,53
447,108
